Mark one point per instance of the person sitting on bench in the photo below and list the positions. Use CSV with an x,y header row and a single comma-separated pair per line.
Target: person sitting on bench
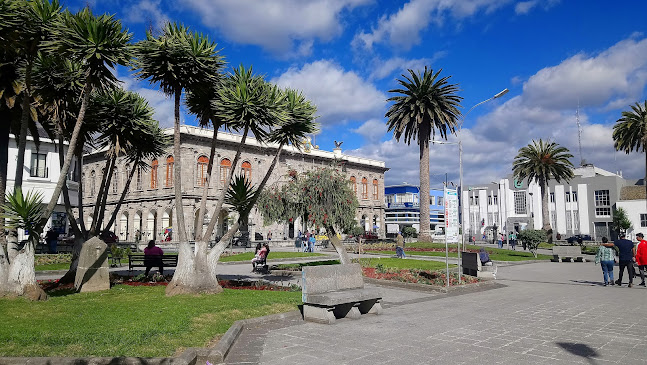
x,y
153,257
484,257
260,256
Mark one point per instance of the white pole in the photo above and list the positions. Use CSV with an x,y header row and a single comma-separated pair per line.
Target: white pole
x,y
446,246
460,182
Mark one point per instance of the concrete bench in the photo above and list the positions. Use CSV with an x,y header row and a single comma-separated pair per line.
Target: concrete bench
x,y
337,291
570,253
472,266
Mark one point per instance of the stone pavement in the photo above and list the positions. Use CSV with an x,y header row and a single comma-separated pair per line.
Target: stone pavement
x,y
547,313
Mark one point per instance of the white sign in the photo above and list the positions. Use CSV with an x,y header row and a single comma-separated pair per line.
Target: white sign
x,y
392,228
451,216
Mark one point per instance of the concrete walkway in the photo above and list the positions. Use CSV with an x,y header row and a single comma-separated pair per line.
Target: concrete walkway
x,y
545,313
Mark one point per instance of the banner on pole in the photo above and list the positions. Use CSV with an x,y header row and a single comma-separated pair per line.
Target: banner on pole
x,y
451,215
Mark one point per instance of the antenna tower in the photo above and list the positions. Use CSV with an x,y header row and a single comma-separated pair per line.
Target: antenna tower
x,y
579,131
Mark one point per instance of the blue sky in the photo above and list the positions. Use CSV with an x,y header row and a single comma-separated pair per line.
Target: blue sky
x,y
346,54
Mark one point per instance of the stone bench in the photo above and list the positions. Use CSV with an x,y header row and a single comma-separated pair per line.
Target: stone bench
x,y
472,266
570,253
337,291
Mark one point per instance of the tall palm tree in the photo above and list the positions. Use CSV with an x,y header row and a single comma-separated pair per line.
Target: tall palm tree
x,y
543,161
178,60
630,132
98,44
425,105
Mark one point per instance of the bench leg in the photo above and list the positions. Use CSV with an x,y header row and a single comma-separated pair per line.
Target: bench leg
x,y
371,307
318,314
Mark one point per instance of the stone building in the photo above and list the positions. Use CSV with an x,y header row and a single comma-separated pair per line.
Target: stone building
x,y
149,204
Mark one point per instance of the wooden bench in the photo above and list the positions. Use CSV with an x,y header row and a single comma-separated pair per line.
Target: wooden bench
x,y
570,253
471,263
137,260
337,291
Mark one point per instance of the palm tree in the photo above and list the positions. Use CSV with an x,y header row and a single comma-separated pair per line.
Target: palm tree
x,y
630,132
98,44
541,162
178,60
425,104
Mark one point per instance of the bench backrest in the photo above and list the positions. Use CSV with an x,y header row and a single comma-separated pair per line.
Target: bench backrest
x,y
327,278
471,260
567,250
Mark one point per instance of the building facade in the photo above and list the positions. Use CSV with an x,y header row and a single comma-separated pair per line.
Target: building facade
x,y
403,207
632,200
41,171
584,205
149,204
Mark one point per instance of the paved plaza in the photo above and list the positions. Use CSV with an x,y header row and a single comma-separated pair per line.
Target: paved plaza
x,y
543,313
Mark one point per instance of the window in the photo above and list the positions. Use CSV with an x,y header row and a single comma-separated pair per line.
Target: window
x,y
225,168
115,181
492,200
643,220
139,184
601,198
201,173
432,200
496,199
376,184
389,199
476,200
576,220
553,219
154,166
569,221
520,202
168,182
568,197
93,186
603,212
247,171
574,196
353,184
552,197
364,188
440,200
38,165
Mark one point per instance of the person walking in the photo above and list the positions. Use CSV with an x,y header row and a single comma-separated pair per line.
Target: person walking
x,y
513,240
641,257
501,240
606,258
625,257
51,238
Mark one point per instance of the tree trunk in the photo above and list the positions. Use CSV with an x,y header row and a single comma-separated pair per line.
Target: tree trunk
x,y
94,228
425,231
122,197
24,127
79,162
545,217
200,236
21,279
104,194
338,245
4,161
70,153
179,224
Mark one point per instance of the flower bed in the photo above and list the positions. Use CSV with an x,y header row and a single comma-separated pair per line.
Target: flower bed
x,y
416,276
391,247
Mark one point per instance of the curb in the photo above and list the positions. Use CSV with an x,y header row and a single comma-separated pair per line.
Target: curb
x,y
430,288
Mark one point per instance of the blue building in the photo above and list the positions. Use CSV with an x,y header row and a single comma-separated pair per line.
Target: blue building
x,y
403,207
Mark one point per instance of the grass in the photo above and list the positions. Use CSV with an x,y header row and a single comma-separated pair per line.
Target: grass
x,y
247,256
129,321
57,266
497,254
391,263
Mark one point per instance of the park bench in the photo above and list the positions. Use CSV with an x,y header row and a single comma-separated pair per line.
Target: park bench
x,y
138,260
472,266
337,291
571,253
261,265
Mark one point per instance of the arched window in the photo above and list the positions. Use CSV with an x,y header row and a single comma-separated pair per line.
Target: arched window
x,y
247,171
353,184
115,181
203,161
154,166
225,168
364,188
83,182
169,171
376,184
93,186
139,184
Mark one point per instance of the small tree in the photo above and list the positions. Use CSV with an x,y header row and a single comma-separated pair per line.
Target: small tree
x,y
409,232
323,196
621,222
532,238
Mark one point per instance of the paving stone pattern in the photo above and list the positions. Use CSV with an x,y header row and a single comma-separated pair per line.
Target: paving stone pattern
x,y
549,313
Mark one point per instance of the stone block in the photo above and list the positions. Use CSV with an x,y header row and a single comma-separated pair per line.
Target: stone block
x,y
318,314
92,272
325,278
343,296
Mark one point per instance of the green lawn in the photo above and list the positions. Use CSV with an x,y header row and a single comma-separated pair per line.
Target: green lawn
x,y
497,254
247,256
392,263
58,266
129,321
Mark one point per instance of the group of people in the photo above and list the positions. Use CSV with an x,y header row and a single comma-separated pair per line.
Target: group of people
x,y
260,254
512,240
308,241
627,253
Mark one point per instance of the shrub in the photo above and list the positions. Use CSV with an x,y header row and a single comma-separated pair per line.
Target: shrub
x,y
409,232
532,238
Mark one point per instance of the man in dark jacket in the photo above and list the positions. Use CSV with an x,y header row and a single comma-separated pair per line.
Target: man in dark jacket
x,y
625,257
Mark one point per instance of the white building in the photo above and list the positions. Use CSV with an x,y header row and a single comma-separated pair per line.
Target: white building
x,y
632,199
41,173
584,205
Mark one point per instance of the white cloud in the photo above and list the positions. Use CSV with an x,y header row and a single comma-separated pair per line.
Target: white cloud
x,y
340,95
146,11
524,7
372,130
402,29
277,25
384,68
